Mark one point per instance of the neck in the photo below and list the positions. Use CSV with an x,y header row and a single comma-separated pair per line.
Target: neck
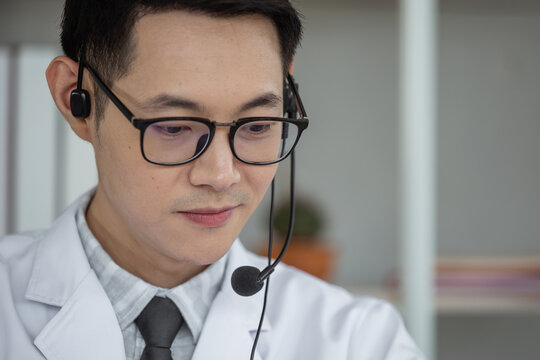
x,y
132,255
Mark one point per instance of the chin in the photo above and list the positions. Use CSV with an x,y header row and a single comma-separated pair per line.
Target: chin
x,y
203,251
204,259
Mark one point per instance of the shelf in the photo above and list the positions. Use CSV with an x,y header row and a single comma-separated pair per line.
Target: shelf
x,y
466,303
477,285
487,304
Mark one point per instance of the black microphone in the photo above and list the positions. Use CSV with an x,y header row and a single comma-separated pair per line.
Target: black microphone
x,y
245,280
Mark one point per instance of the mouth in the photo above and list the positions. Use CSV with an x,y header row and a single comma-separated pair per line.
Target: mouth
x,y
209,217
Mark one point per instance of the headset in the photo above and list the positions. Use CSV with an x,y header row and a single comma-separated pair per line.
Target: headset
x,y
80,99
245,280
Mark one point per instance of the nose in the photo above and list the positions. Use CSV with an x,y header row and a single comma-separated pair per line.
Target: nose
x,y
216,167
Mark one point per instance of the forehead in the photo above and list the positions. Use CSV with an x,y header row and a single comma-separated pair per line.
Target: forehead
x,y
191,47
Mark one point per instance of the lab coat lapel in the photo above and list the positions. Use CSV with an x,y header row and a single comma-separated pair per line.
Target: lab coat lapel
x,y
232,321
85,327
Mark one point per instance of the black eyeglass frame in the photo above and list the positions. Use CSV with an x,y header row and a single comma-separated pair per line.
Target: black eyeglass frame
x,y
142,124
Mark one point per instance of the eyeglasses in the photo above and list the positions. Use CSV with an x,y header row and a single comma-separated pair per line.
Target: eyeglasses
x,y
179,140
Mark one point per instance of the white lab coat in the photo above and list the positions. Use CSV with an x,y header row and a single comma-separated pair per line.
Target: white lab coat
x,y
52,306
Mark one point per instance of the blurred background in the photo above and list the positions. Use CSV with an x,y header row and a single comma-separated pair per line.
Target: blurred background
x,y
487,240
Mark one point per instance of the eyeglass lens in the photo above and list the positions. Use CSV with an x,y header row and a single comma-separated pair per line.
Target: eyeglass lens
x,y
176,141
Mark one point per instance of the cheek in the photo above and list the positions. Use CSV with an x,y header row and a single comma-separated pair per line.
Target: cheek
x,y
125,175
259,179
116,141
117,160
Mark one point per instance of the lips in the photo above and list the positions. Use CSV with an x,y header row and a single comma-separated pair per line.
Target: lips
x,y
209,217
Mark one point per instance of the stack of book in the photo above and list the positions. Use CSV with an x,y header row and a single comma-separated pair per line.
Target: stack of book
x,y
484,284
504,276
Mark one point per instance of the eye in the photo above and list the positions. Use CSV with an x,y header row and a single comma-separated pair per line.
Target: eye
x,y
171,130
258,128
258,131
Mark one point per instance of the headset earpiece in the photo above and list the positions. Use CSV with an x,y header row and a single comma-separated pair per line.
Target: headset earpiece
x,y
289,102
80,103
79,100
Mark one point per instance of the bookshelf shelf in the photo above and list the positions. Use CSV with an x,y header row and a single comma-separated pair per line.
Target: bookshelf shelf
x,y
460,303
477,285
493,304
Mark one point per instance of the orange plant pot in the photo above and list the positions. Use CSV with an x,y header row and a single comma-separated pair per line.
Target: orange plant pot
x,y
314,257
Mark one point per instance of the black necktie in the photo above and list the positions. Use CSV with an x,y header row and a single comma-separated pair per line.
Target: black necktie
x,y
159,323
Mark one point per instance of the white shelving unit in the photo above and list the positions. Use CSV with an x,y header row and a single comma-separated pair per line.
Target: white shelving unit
x,y
4,136
418,120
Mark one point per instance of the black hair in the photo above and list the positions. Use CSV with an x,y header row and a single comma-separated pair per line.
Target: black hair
x,y
103,28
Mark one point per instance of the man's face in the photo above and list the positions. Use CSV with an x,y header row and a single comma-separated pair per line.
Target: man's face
x,y
191,212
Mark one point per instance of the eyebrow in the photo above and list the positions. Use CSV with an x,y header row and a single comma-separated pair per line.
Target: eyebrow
x,y
269,100
164,101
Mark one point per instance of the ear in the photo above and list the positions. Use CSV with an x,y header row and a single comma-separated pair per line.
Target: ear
x,y
62,79
291,66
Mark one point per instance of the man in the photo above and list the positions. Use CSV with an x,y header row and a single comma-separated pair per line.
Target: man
x,y
140,268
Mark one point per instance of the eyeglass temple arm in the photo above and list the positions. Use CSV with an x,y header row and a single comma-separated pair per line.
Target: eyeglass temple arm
x,y
110,94
290,80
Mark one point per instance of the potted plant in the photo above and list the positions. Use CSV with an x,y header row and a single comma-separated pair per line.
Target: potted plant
x,y
307,250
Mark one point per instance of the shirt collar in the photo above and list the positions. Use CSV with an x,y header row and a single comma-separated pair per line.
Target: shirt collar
x,y
129,294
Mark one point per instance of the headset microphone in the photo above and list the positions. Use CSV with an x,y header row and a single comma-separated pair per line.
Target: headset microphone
x,y
245,280
249,280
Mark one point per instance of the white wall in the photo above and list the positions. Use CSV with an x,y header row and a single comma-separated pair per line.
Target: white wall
x,y
35,140
489,130
30,21
43,167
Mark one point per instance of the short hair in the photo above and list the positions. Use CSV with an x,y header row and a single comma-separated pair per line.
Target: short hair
x,y
104,28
